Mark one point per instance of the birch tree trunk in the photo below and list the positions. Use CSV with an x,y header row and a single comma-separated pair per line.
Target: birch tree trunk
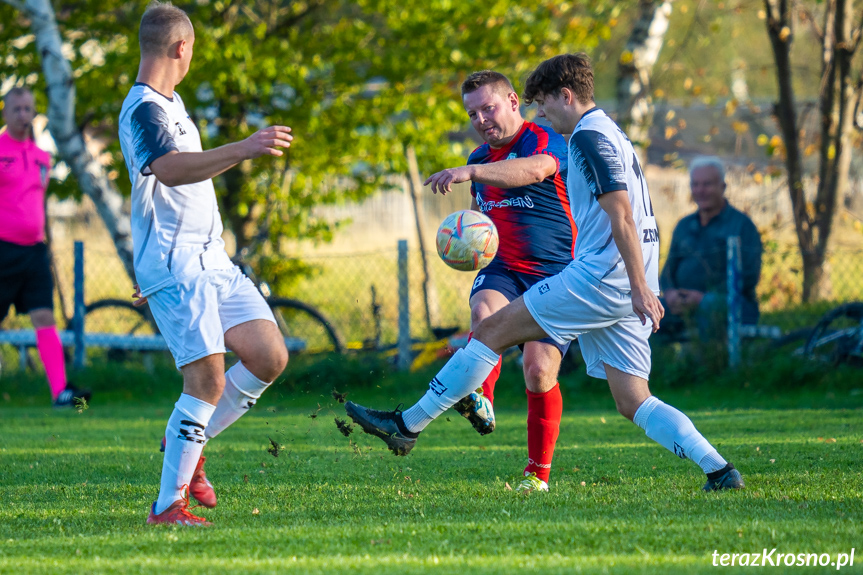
x,y
70,143
634,104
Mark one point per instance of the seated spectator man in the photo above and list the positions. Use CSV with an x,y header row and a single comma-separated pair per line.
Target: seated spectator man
x,y
694,280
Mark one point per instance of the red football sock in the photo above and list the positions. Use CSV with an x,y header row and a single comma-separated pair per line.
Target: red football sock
x,y
491,380
543,426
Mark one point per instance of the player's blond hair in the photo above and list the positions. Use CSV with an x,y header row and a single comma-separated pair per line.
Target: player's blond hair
x,y
162,25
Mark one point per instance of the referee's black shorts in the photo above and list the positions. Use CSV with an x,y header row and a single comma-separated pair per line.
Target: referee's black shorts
x,y
25,278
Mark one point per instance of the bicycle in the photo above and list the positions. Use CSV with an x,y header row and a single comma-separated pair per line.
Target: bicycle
x,y
305,328
838,337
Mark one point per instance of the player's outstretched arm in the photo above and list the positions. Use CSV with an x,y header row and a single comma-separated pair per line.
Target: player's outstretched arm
x,y
505,174
180,168
644,301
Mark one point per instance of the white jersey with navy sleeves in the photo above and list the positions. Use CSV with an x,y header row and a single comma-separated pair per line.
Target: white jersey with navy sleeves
x,y
602,160
176,231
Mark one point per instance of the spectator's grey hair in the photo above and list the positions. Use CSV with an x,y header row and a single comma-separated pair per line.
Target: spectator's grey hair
x,y
711,161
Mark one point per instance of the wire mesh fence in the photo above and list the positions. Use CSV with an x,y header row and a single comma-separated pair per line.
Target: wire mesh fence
x,y
358,292
780,290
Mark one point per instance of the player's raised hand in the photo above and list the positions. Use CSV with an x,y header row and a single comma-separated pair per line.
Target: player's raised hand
x,y
267,141
442,181
645,304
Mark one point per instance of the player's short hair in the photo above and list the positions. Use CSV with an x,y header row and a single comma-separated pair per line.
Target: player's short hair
x,y
708,162
162,25
486,78
16,92
571,71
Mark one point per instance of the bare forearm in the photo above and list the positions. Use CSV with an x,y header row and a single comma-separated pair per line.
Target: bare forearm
x,y
181,168
514,173
626,238
623,230
645,304
177,169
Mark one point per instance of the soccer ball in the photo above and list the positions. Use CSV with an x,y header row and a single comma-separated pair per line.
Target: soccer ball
x,y
467,240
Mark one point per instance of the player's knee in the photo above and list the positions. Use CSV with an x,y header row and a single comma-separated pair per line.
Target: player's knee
x,y
42,317
477,314
281,360
540,376
277,360
268,361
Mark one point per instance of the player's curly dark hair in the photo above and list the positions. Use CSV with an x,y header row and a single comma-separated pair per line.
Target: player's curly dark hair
x,y
571,71
485,78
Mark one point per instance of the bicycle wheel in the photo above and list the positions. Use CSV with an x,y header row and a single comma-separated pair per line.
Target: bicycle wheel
x,y
793,342
838,337
309,331
118,316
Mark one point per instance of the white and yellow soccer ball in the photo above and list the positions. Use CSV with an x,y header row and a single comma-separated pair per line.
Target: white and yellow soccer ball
x,y
467,240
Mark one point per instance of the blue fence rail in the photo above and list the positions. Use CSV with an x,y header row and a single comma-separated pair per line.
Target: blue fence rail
x,y
79,339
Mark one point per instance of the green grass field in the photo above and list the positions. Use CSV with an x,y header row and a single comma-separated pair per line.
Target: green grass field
x,y
76,487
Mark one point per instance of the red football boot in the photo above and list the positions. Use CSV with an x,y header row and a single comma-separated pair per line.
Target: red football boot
x,y
177,514
200,487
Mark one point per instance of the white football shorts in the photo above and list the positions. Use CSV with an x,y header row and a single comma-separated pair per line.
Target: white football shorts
x,y
195,312
573,304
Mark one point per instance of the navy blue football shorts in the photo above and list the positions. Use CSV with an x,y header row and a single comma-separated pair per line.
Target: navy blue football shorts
x,y
511,284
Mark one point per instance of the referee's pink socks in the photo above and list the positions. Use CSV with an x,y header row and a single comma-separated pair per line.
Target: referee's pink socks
x,y
51,352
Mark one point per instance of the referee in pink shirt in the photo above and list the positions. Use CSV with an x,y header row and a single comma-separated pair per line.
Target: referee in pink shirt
x,y
25,272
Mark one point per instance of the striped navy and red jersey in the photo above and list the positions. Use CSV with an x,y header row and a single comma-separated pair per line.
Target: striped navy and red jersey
x,y
534,222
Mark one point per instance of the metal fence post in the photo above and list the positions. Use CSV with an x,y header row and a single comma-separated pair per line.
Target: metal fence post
x,y
734,275
404,309
79,306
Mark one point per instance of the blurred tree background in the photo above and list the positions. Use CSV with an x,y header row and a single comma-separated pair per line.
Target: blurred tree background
x,y
360,81
356,81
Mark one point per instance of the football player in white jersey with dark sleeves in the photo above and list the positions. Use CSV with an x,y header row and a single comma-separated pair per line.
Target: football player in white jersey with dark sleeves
x,y
607,297
201,301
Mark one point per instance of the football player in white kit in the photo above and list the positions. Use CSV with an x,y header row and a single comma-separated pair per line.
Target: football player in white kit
x,y
607,297
201,301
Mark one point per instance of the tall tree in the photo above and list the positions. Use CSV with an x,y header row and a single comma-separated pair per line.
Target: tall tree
x,y
840,91
358,80
634,103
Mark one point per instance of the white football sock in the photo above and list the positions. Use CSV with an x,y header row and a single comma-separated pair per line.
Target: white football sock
x,y
674,431
184,441
462,374
242,391
416,419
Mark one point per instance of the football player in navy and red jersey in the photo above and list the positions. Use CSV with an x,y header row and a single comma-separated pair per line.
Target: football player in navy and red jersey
x,y
518,179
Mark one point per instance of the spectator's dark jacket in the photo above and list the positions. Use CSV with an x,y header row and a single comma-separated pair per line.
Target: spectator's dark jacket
x,y
698,255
